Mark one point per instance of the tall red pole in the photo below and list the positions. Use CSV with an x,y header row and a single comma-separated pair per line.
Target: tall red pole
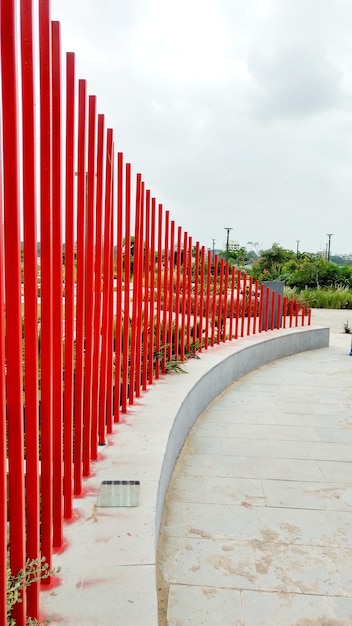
x,y
80,288
97,286
69,285
213,312
220,318
136,295
244,302
126,303
110,298
139,282
145,319
176,349
232,299
165,294
189,294
170,299
226,288
201,297
152,339
255,309
30,301
158,292
3,463
184,297
238,299
118,282
89,287
57,288
46,341
106,277
249,305
195,306
207,300
13,338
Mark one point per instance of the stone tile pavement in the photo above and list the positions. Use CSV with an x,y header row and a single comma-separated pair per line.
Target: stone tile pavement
x,y
257,528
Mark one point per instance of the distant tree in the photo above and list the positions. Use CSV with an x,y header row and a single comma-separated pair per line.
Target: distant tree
x,y
270,263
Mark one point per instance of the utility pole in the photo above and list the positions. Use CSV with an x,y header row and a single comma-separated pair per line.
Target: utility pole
x,y
297,240
213,248
329,244
227,228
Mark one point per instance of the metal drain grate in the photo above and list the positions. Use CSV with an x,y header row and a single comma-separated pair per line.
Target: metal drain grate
x,y
118,493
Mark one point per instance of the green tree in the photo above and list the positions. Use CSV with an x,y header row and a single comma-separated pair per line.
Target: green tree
x,y
269,265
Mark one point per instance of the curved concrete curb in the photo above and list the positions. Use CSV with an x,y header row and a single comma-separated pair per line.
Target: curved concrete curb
x,y
108,566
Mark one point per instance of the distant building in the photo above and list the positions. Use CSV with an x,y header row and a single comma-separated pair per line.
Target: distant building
x,y
233,245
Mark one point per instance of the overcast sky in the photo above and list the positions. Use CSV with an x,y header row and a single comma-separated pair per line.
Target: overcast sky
x,y
238,113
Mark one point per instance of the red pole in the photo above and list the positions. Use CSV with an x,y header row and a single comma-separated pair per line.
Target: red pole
x,y
184,297
226,288
119,271
279,311
139,284
158,293
244,302
152,338
238,298
80,287
69,285
219,303
106,288
291,312
13,338
267,302
309,316
272,311
255,310
213,312
97,287
189,294
136,295
110,304
284,306
249,305
261,306
201,297
177,295
170,299
233,270
30,311
303,314
297,313
46,341
126,303
207,301
166,269
3,468
89,293
57,288
145,320
195,309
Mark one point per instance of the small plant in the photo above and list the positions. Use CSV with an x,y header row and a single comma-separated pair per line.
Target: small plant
x,y
347,328
34,571
175,366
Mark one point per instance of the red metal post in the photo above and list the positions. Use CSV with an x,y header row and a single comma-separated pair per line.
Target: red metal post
x,y
145,319
152,338
220,318
255,309
80,288
106,288
46,339
30,304
126,302
232,298
297,313
284,306
291,312
195,306
110,303
272,310
69,285
184,297
165,294
139,290
309,316
279,310
267,304
249,305
244,302
13,338
136,295
57,289
207,300
3,461
303,314
189,294
97,286
226,289
158,293
176,349
238,299
89,286
213,308
118,283
261,307
201,297
170,299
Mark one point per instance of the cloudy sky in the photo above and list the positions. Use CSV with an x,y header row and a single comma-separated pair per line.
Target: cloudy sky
x,y
238,113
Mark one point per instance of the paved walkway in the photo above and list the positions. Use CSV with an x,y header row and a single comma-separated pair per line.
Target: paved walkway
x,y
257,528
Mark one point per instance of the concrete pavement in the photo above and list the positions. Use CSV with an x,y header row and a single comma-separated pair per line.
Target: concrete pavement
x,y
257,527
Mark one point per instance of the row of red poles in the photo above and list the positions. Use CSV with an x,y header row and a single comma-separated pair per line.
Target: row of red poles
x,y
126,309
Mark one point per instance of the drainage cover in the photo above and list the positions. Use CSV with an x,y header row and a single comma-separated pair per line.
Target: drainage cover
x,y
118,493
